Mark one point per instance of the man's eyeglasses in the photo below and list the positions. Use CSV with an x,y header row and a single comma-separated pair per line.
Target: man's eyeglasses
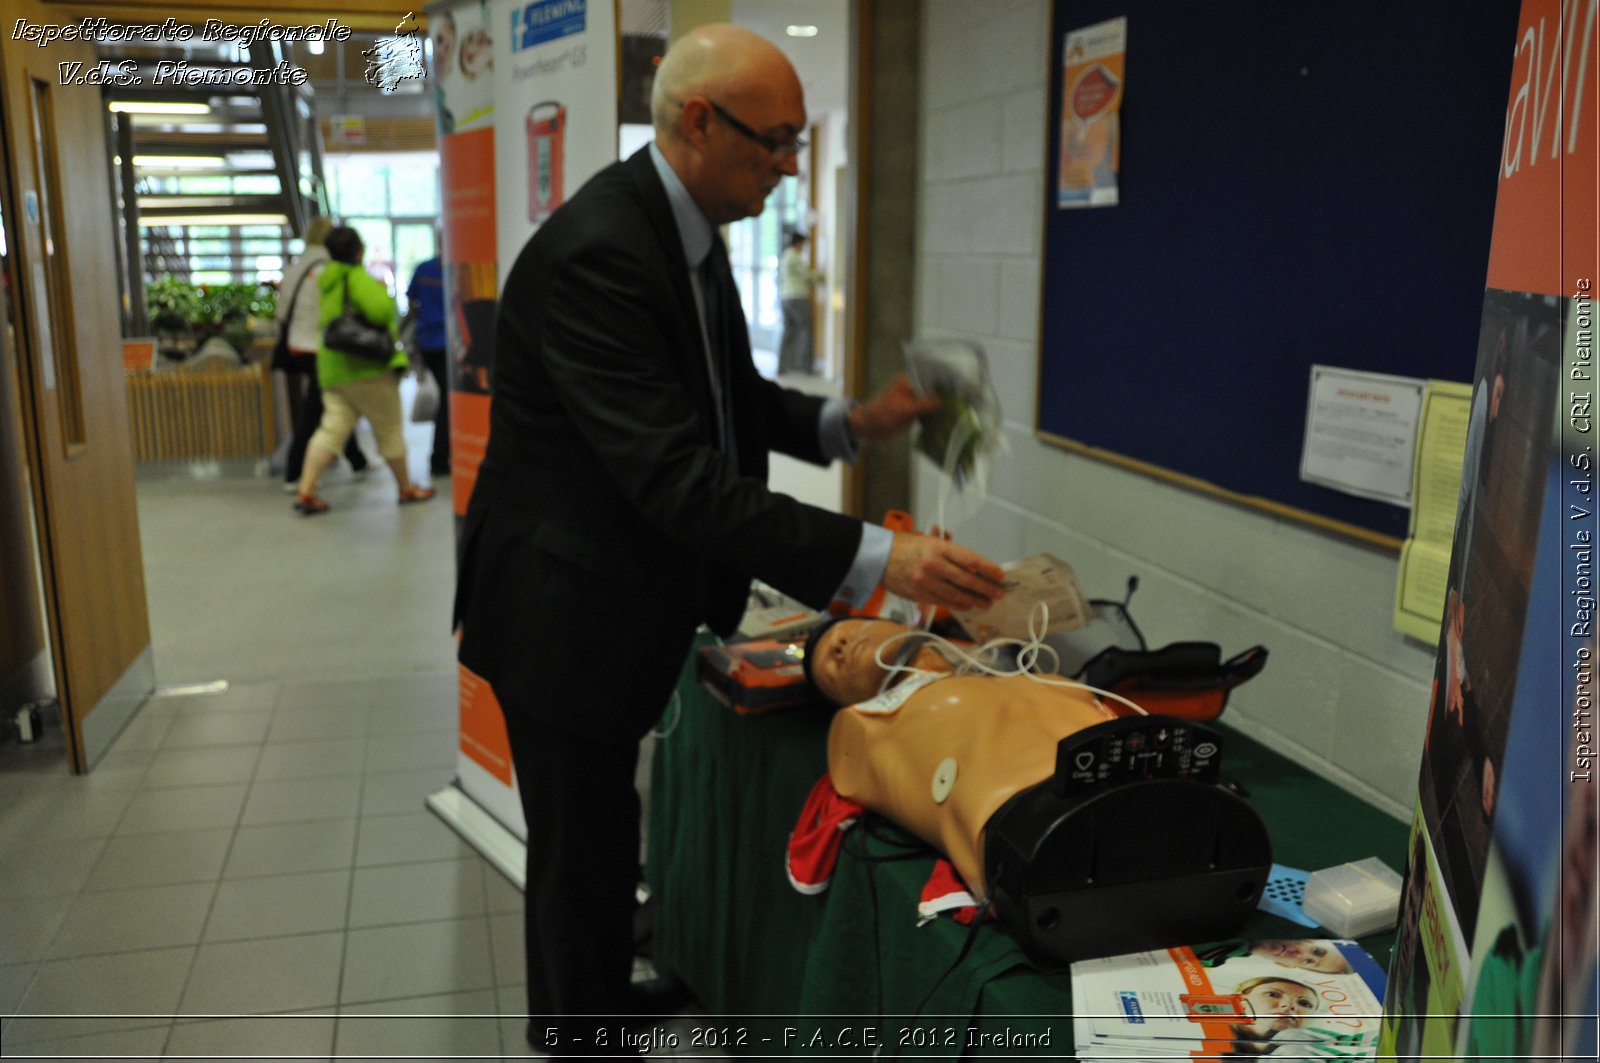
x,y
780,149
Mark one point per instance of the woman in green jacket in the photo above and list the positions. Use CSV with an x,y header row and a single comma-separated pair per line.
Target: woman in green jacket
x,y
353,386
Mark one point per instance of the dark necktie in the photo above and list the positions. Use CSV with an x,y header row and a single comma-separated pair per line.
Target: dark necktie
x,y
724,315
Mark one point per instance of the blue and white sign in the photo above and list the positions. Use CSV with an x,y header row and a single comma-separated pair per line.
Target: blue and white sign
x,y
547,20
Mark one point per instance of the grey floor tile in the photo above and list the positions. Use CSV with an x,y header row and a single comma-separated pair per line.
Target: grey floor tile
x,y
60,813
15,978
201,767
147,917
302,800
189,808
49,866
403,752
196,730
503,896
401,719
455,1024
417,893
297,725
395,792
419,959
282,848
509,948
311,760
512,1002
116,1045
408,838
267,1036
161,859
100,994
279,905
143,733
265,976
28,924
405,689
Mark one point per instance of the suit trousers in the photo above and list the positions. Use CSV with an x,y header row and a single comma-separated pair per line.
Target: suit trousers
x,y
582,812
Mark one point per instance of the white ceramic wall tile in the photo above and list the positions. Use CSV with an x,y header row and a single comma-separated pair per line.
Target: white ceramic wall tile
x,y
946,17
1010,217
1377,701
1344,592
969,294
1013,367
948,210
1019,310
1022,133
965,140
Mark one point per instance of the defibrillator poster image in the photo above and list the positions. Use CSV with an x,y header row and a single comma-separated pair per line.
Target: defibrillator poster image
x,y
546,129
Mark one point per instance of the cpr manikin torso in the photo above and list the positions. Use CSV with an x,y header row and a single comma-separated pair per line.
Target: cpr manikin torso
x,y
939,756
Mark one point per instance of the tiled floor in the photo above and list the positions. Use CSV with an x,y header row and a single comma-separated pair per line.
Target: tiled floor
x,y
254,872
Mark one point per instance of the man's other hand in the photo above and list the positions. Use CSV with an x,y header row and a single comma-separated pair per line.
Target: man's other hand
x,y
935,571
890,411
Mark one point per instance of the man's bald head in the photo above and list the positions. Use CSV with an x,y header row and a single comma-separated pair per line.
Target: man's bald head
x,y
728,111
725,63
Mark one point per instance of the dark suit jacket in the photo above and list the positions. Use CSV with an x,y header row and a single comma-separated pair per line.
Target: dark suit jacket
x,y
605,511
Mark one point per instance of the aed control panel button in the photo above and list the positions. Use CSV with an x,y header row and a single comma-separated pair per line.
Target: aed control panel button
x,y
1134,748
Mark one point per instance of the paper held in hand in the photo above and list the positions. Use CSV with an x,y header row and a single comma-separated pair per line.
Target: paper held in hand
x,y
1028,582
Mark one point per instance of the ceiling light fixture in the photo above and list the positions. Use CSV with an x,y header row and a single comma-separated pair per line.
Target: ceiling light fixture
x,y
801,31
151,107
181,162
213,219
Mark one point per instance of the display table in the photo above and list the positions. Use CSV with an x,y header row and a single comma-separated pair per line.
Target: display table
x,y
848,968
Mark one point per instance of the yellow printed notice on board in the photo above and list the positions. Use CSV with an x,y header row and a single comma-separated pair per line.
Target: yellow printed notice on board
x,y
1435,488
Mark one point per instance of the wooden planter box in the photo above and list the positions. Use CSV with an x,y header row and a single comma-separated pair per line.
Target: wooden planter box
x,y
178,414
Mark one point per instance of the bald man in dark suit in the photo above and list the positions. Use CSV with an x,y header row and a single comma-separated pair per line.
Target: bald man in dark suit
x,y
623,498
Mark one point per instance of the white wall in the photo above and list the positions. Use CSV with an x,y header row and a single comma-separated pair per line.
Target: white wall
x,y
1342,693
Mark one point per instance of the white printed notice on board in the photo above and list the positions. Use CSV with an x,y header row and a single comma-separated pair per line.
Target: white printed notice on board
x,y
1361,430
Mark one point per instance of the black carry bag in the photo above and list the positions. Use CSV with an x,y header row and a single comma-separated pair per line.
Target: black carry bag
x,y
350,333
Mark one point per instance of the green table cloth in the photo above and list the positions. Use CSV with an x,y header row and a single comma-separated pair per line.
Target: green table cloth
x,y
849,973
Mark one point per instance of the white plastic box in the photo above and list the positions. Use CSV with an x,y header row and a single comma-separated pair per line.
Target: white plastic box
x,y
1354,899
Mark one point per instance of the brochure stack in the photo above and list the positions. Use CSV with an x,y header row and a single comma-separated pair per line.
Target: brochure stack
x,y
1292,999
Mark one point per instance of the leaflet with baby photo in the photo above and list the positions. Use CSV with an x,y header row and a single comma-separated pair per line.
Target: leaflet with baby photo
x,y
1301,998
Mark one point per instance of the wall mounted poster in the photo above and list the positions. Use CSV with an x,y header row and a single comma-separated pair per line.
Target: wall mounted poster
x,y
1496,955
1091,114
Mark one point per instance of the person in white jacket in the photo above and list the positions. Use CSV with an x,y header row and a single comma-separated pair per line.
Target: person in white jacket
x,y
297,296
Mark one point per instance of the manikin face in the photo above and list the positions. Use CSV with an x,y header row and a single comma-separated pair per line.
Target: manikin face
x,y
1279,1005
844,660
1303,953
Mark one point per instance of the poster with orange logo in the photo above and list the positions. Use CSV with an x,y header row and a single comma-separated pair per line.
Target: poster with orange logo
x,y
1091,114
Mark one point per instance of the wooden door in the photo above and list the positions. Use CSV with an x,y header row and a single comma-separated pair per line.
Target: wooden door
x,y
61,245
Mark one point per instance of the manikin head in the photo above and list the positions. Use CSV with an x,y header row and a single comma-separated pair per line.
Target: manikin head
x,y
728,111
841,658
1304,953
1277,1004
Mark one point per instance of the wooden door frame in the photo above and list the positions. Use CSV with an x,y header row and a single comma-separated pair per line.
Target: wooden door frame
x,y
75,423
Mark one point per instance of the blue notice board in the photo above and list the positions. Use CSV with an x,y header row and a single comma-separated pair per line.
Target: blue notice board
x,y
1299,183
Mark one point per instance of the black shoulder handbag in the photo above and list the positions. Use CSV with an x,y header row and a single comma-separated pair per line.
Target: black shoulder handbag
x,y
350,333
